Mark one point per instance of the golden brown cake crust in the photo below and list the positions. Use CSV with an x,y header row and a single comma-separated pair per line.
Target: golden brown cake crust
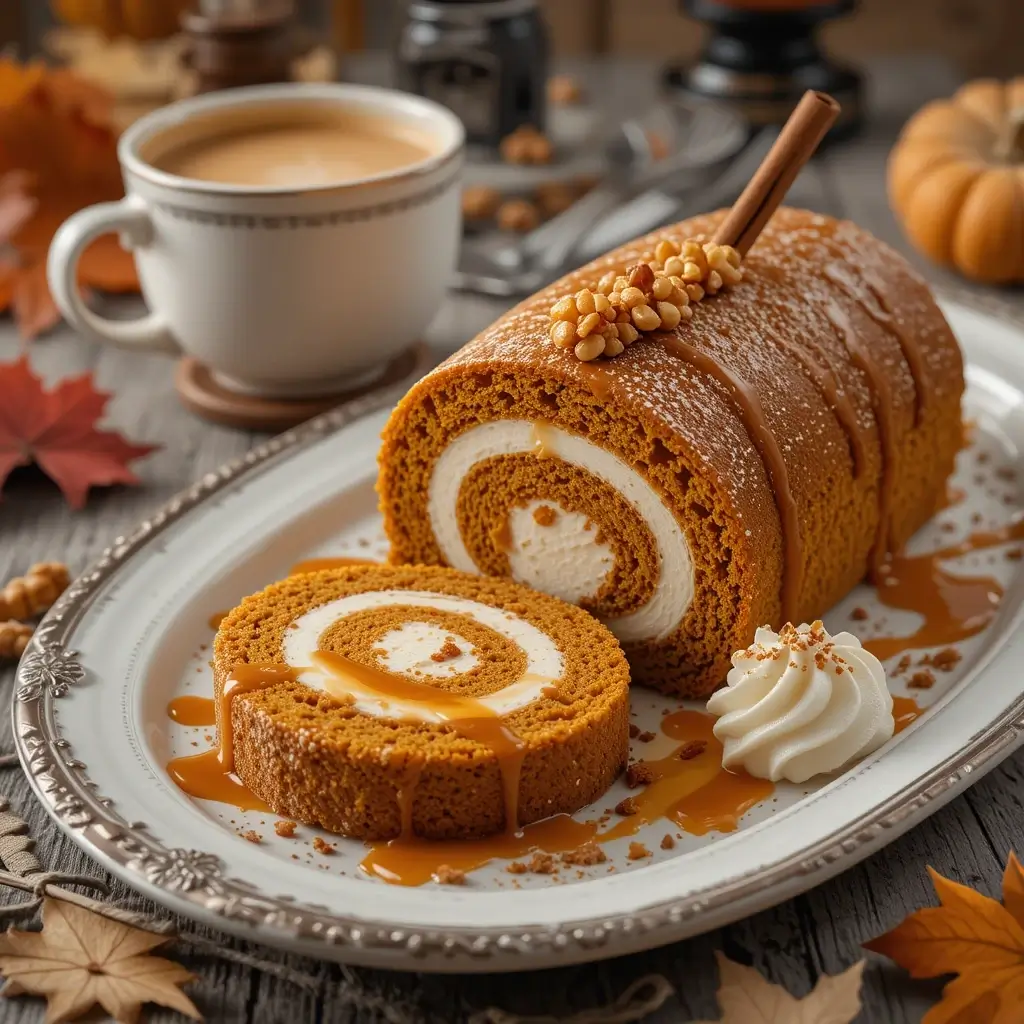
x,y
316,759
679,427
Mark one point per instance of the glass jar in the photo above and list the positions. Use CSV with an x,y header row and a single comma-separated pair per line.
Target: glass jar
x,y
486,60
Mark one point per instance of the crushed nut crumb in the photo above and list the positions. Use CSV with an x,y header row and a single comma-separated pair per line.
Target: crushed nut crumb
x,y
637,851
321,846
902,665
449,649
859,614
253,836
544,515
667,842
946,660
542,864
923,679
634,731
447,875
627,807
516,867
639,774
585,855
646,737
694,748
285,829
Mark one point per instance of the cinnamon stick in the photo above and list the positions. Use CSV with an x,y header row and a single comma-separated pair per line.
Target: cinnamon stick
x,y
800,136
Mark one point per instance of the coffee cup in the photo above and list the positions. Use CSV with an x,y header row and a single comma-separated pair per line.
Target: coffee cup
x,y
293,238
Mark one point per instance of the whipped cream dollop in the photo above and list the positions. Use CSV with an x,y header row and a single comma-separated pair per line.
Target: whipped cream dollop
x,y
800,703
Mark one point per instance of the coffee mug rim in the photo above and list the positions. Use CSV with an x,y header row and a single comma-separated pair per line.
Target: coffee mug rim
x,y
173,114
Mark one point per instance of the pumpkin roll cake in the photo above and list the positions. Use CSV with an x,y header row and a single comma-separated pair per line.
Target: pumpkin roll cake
x,y
745,460
378,701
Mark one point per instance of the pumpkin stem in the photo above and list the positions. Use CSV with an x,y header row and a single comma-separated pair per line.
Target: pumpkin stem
x,y
1010,144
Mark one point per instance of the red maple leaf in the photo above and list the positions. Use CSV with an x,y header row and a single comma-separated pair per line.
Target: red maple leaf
x,y
57,431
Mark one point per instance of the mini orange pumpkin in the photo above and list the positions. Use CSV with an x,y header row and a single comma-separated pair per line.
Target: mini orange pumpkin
x,y
956,181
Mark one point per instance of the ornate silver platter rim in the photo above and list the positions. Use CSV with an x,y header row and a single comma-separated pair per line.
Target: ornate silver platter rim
x,y
193,883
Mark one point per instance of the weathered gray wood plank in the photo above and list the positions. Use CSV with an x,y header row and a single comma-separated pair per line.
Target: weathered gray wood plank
x,y
792,944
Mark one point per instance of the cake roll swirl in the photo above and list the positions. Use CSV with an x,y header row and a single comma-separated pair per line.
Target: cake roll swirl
x,y
748,467
420,702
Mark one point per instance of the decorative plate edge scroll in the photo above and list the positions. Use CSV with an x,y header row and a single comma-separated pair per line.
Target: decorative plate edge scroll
x,y
48,670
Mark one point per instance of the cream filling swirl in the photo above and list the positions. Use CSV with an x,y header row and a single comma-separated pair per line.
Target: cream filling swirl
x,y
405,646
562,570
801,703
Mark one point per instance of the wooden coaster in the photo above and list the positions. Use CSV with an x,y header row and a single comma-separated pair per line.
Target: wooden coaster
x,y
202,394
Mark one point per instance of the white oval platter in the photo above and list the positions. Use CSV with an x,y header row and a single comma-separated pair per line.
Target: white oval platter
x,y
133,632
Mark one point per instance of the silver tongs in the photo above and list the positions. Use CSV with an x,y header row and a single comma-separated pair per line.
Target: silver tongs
x,y
677,148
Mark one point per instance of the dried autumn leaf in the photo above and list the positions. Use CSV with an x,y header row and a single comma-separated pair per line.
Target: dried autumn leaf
x,y
57,430
55,130
81,959
970,935
745,997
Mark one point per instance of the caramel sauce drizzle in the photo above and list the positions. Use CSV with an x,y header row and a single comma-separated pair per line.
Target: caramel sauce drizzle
x,y
954,607
748,405
881,402
191,710
697,793
905,710
467,716
209,775
543,443
328,562
415,861
598,379
824,379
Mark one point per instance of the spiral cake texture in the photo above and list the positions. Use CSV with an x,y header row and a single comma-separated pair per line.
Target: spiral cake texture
x,y
748,467
420,701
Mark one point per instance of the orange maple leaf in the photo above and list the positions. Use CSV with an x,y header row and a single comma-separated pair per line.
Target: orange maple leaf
x,y
55,129
973,936
57,430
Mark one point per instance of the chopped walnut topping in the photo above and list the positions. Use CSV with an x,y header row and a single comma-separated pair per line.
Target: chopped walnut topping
x,y
285,829
694,748
654,294
544,515
627,807
637,851
253,836
922,680
902,665
585,855
634,731
516,867
447,875
322,847
667,842
647,736
859,614
639,774
449,649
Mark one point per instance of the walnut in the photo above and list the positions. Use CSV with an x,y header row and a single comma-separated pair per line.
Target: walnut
x,y
480,202
526,145
518,215
14,638
554,197
564,91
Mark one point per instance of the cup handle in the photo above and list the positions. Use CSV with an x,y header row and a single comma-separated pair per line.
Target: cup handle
x,y
130,218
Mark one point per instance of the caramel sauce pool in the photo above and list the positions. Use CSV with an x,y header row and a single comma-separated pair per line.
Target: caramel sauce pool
x,y
189,710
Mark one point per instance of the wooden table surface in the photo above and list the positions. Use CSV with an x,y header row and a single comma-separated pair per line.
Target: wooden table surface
x,y
792,944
